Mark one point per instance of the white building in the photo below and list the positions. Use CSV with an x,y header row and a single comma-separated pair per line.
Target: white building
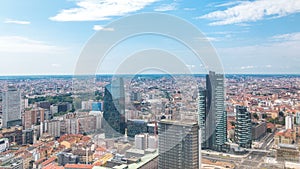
x,y
289,120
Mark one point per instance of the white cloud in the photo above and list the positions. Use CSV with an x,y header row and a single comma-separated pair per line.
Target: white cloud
x,y
16,22
99,27
18,44
287,37
189,9
166,7
249,11
92,10
247,67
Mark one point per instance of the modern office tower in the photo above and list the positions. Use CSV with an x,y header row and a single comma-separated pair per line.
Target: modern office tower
x,y
202,116
289,121
298,118
11,107
114,109
178,145
216,116
242,132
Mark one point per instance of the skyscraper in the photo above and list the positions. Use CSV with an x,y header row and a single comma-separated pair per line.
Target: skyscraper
x,y
242,132
212,115
202,115
11,107
114,109
178,145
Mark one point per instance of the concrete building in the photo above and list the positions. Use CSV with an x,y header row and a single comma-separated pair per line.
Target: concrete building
x,y
34,116
11,107
141,141
67,158
178,145
52,127
258,130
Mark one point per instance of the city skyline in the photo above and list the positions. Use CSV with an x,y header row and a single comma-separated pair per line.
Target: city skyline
x,y
50,42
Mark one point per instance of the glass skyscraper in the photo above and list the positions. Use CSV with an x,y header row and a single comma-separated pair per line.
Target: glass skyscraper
x,y
114,109
212,117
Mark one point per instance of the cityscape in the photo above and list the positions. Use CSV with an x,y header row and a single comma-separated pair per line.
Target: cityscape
x,y
150,84
151,121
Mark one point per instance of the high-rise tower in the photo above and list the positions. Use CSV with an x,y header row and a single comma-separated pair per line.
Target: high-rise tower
x,y
11,107
178,145
114,109
212,114
242,131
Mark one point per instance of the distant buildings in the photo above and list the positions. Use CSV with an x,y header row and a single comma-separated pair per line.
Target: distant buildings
x,y
178,145
67,158
11,107
114,109
288,152
242,132
285,137
212,115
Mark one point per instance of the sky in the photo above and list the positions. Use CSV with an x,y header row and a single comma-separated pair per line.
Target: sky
x,y
46,37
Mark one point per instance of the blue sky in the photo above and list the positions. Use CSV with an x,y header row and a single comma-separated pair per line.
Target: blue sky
x,y
46,37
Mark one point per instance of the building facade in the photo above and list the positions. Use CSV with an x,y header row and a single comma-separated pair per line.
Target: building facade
x,y
114,109
11,107
243,127
178,145
215,128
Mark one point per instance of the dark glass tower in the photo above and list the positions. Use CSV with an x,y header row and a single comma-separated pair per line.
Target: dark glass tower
x,y
114,109
211,108
242,131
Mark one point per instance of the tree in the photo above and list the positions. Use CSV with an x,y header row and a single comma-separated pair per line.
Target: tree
x,y
232,123
255,116
281,114
264,116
